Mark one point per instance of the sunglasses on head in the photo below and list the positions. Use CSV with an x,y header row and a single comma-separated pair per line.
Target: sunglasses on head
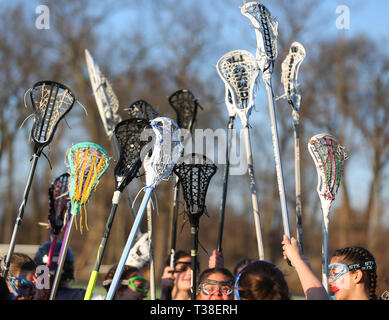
x,y
209,287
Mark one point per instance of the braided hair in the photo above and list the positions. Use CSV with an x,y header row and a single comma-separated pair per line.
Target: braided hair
x,y
359,255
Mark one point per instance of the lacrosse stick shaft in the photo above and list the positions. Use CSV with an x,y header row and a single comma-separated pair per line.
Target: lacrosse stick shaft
x,y
129,243
103,244
297,173
62,257
325,223
277,156
193,253
225,183
19,219
174,222
253,191
51,251
151,250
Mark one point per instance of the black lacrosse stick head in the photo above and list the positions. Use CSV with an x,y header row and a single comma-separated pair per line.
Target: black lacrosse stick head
x,y
59,203
128,134
142,109
195,172
51,101
185,105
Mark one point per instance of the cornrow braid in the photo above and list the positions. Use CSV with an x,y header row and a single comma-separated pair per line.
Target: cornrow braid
x,y
361,255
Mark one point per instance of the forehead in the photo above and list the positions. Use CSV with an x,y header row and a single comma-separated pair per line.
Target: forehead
x,y
336,260
26,274
184,259
218,277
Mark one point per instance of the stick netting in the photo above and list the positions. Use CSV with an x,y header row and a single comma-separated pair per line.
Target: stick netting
x,y
195,173
238,69
51,101
185,105
128,134
290,67
142,109
166,150
329,157
59,203
87,162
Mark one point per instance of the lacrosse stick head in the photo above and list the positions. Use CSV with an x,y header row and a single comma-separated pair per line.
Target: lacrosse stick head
x,y
329,157
128,134
239,71
87,162
195,172
185,105
266,33
59,203
106,99
51,101
141,109
166,150
290,68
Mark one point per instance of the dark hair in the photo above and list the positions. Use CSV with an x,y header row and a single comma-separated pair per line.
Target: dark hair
x,y
207,272
180,254
359,255
4,291
261,280
21,261
127,272
241,264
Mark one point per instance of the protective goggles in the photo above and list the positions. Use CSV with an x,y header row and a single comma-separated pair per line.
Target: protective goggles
x,y
139,284
209,287
22,287
336,270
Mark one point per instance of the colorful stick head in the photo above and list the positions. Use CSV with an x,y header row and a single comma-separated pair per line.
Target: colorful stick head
x,y
88,162
128,134
59,203
51,101
329,157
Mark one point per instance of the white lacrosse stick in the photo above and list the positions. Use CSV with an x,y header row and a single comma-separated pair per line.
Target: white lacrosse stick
x,y
166,151
266,33
108,106
290,69
239,71
329,157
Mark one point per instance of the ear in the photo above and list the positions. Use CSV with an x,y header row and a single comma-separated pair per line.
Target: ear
x,y
357,276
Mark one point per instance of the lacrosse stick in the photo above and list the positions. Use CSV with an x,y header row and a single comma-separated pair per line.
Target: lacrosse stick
x,y
142,109
194,173
185,106
290,69
108,105
166,150
51,101
230,127
239,71
266,33
329,157
58,210
87,162
128,134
